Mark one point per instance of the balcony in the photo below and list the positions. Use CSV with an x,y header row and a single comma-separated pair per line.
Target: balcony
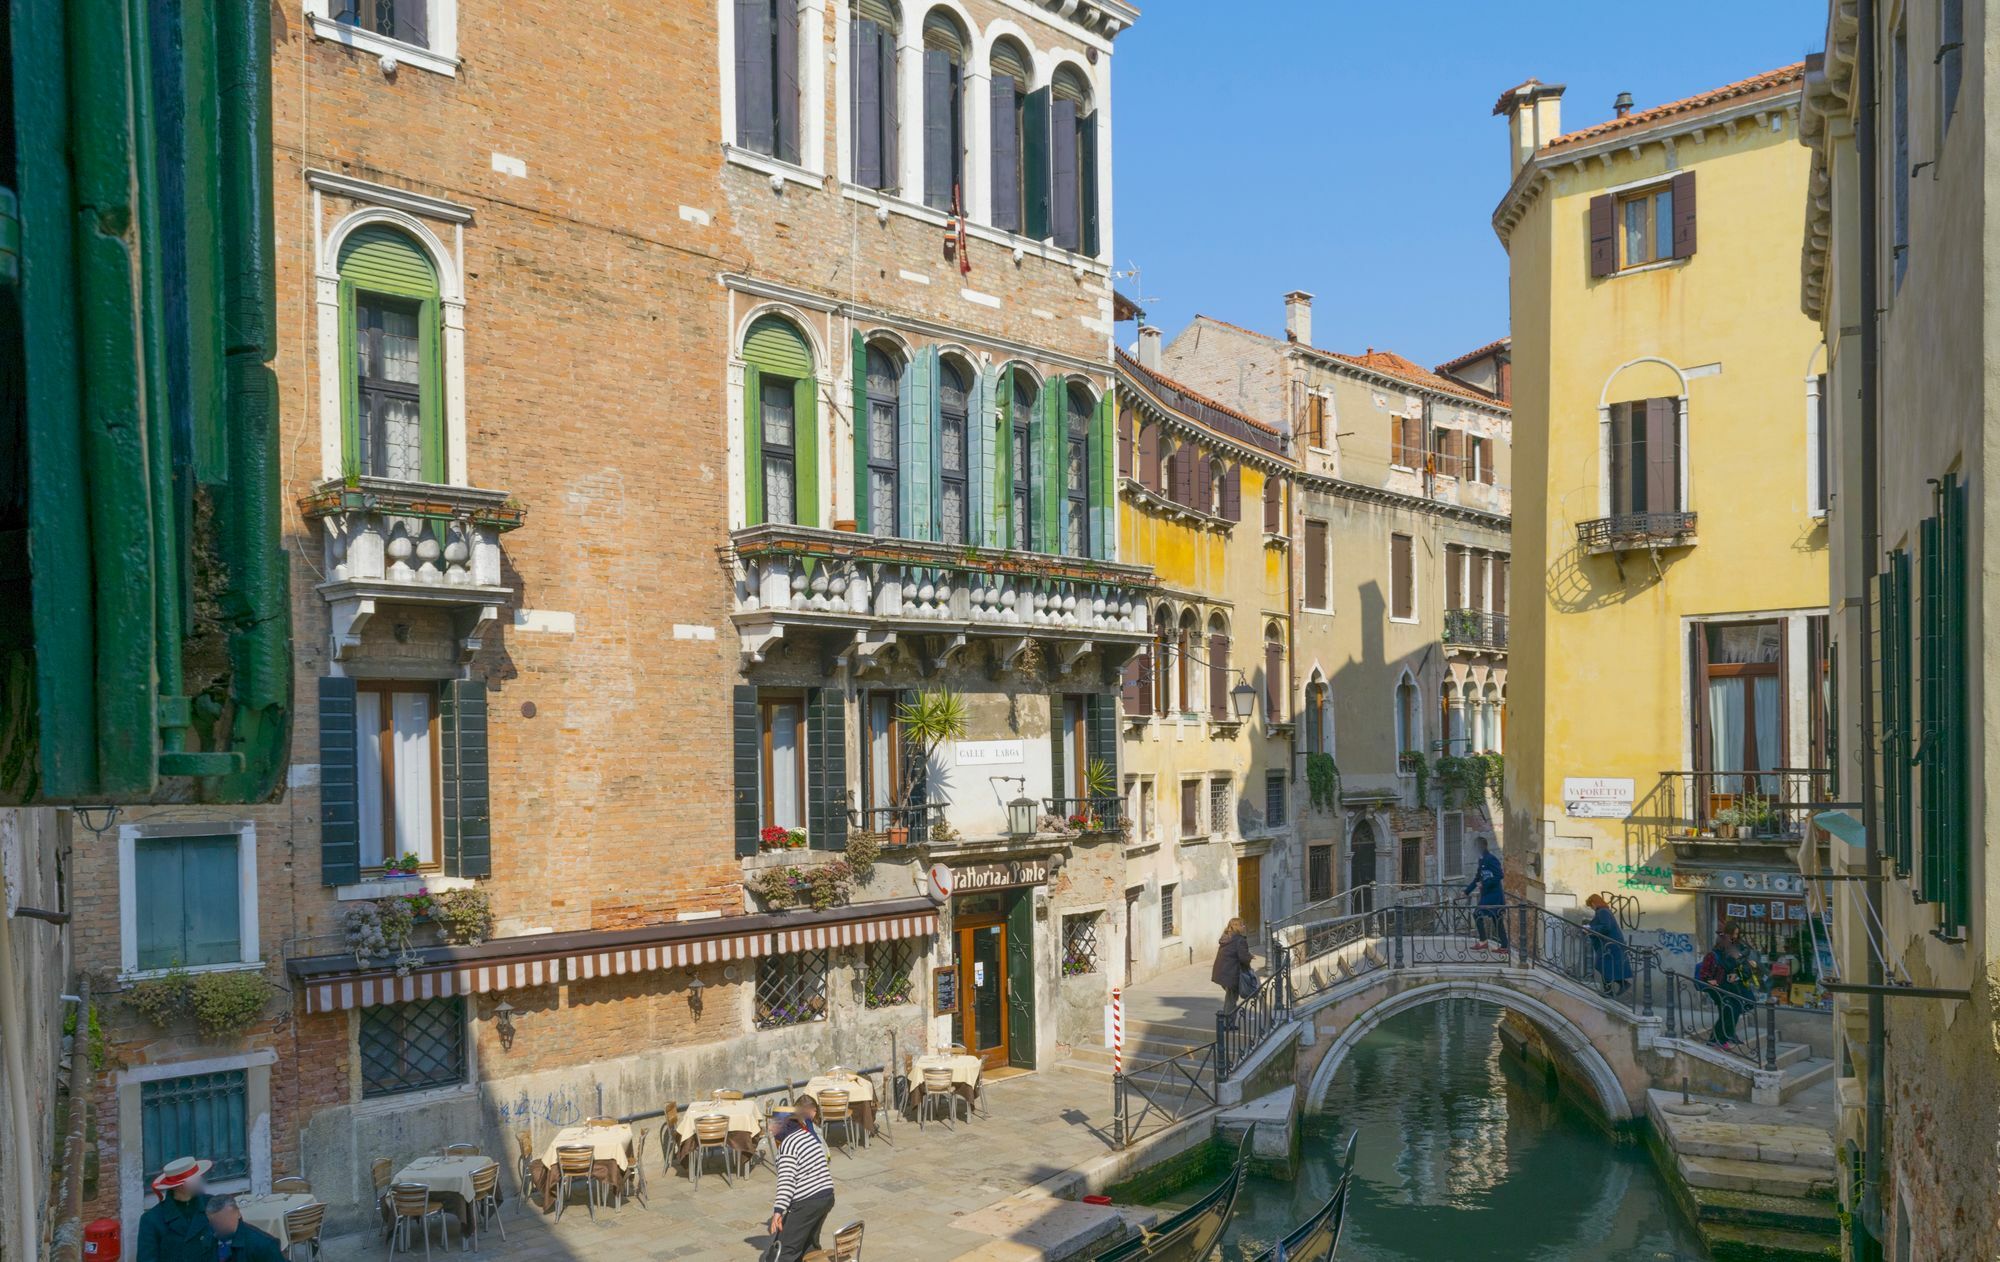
x,y
899,826
1476,630
867,593
410,543
1083,815
1634,532
1741,808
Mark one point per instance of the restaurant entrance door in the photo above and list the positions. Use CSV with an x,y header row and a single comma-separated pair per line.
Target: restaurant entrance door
x,y
980,1023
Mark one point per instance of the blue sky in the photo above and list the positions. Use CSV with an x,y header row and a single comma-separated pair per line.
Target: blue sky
x,y
1348,148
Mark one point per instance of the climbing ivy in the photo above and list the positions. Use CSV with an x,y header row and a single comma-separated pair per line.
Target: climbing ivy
x,y
1322,781
1463,781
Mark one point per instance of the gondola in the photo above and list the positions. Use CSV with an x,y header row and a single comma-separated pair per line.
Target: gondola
x,y
1192,1234
1317,1239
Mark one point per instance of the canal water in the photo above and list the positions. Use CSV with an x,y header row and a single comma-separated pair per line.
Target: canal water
x,y
1464,1156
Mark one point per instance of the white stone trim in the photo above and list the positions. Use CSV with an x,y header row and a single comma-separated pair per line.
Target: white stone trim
x,y
133,1195
440,58
250,954
811,167
360,190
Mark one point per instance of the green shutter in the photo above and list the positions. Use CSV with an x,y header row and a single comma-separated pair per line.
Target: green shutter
x,y
384,260
747,730
430,397
1035,163
1944,755
1930,687
774,348
805,446
1052,485
1003,464
857,364
753,446
1103,478
826,769
1893,586
1021,980
1101,733
339,784
1058,737
387,261
1958,746
462,760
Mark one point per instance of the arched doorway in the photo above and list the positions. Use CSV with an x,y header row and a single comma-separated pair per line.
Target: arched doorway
x,y
1361,866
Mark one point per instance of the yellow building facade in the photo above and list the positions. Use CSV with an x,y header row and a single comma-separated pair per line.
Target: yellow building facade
x,y
1667,713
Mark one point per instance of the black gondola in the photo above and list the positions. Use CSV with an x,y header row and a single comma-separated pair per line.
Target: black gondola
x,y
1318,1238
1192,1234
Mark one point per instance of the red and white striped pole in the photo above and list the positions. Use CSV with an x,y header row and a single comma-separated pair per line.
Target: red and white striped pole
x,y
1117,1032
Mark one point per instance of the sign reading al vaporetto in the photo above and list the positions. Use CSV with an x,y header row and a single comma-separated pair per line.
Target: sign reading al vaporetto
x,y
1597,797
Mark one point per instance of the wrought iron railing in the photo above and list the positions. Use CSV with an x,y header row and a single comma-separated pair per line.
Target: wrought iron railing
x,y
1744,805
1088,814
1240,1033
899,825
1475,628
1635,530
1158,1093
1408,761
1730,1018
1365,897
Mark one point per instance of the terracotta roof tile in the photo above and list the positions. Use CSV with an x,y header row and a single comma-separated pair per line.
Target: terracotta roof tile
x,y
1482,352
1204,410
1386,362
1769,81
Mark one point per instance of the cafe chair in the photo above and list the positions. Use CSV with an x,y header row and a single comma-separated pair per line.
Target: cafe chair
x,y
834,1111
378,1173
415,1209
575,1163
524,1162
847,1243
302,1227
290,1184
635,1173
711,1134
670,1134
937,1096
461,1150
600,1121
486,1200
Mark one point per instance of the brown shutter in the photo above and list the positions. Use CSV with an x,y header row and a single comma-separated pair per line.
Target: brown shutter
x,y
1274,505
1663,456
1604,235
1316,564
1139,684
1453,596
1316,420
1218,677
1125,443
1149,455
1403,597
1232,493
1683,214
1500,588
1698,710
1183,476
1621,458
1274,681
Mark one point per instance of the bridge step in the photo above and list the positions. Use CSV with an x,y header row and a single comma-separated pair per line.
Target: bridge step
x,y
1731,1240
1755,1209
1732,1174
1806,1073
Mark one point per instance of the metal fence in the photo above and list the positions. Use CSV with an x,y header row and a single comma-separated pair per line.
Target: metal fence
x,y
1475,628
1635,530
1763,806
1151,1096
1732,1021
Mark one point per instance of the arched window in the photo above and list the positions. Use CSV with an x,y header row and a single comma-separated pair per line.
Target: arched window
x,y
1163,661
393,395
1457,736
944,109
780,410
1148,471
1184,653
1274,674
1010,93
1218,669
767,77
1215,477
872,96
1316,715
1076,474
1409,718
1274,505
885,423
954,455
1489,713
1072,163
1021,449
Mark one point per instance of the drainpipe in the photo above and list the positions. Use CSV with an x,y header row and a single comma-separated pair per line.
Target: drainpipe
x,y
1871,547
21,1139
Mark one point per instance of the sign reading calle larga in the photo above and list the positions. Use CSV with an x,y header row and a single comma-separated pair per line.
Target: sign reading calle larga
x,y
995,876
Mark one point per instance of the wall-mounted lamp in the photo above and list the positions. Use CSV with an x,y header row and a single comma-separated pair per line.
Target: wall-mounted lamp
x,y
98,819
1023,811
695,987
503,1024
1244,698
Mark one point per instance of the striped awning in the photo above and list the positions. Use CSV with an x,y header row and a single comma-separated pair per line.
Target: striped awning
x,y
368,989
855,932
617,961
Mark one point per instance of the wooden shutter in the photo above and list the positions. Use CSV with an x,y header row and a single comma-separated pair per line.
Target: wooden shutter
x,y
866,42
1500,585
1698,714
1051,442
1058,738
1138,691
1316,564
1454,593
1481,578
1063,225
1086,160
1663,456
747,765
826,769
1402,577
1149,455
1218,677
1021,983
1125,443
857,366
1603,235
462,765
1621,458
1316,420
1100,733
1006,148
938,138
1035,163
1274,504
1683,189
1232,492
885,60
755,128
1182,491
1274,681
786,107
339,784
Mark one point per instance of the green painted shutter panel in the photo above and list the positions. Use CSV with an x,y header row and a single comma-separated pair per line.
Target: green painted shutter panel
x,y
1053,436
857,364
1003,464
979,458
1058,738
1021,980
753,445
1101,734
776,347
1086,157
805,443
1104,477
339,784
747,732
430,391
387,261
1893,629
916,444
826,769
1035,162
468,809
1930,659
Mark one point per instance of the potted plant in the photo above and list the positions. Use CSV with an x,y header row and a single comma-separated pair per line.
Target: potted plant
x,y
926,722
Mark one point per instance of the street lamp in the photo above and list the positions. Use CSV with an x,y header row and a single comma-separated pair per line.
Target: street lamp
x,y
1021,817
1244,698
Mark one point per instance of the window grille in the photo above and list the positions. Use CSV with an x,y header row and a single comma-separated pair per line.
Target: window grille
x,y
1079,945
791,989
203,1113
412,1046
1168,926
886,981
1274,799
1218,805
1319,874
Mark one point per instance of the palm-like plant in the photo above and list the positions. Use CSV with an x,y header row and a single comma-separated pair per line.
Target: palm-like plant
x,y
928,721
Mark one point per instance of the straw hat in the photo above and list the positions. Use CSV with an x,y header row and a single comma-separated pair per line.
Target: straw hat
x,y
180,1172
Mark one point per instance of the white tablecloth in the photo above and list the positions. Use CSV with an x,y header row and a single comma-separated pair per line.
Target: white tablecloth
x,y
267,1212
964,1069
444,1174
743,1115
606,1143
859,1090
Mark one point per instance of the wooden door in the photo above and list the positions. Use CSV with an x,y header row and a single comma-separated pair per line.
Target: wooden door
x,y
982,991
1250,893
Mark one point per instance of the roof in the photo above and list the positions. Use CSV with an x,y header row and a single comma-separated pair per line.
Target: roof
x,y
1771,81
1527,87
1123,308
1204,411
1388,363
1497,344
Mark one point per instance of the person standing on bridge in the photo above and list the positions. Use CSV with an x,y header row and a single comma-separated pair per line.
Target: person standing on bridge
x,y
1614,964
1489,918
1232,965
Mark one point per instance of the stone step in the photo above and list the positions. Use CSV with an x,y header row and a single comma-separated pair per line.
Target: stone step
x,y
1806,1073
1736,1175
1136,1051
1792,1053
1182,1031
1730,1241
1756,1209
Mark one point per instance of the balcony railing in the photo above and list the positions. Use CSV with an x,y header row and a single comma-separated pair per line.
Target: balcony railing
x,y
1753,806
1628,531
1475,628
899,825
1408,761
1088,814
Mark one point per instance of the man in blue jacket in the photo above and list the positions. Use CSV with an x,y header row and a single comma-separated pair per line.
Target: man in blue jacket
x,y
1489,920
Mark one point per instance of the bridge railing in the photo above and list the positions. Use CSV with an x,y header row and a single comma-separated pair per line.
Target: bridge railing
x,y
1158,1093
1732,1021
1240,1033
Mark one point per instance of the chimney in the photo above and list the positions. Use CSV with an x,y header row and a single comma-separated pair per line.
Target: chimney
x,y
1623,105
1149,347
1533,111
1299,317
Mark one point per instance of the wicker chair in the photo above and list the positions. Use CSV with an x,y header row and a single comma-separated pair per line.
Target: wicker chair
x,y
938,1095
302,1226
728,1095
379,1171
412,1203
291,1184
711,1134
847,1243
576,1163
486,1200
635,1173
460,1150
524,1162
600,1121
670,1132
834,1111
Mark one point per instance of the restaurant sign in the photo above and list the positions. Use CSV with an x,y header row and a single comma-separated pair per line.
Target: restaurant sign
x,y
972,877
1733,881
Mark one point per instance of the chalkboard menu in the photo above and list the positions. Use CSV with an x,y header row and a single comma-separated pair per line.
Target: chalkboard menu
x,y
944,989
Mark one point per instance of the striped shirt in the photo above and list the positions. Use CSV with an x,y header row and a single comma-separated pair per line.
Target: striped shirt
x,y
802,1169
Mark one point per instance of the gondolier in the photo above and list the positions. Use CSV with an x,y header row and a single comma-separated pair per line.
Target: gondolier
x,y
176,1228
805,1189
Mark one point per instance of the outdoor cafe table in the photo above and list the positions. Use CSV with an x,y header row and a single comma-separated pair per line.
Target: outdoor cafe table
x,y
610,1153
267,1212
746,1126
964,1075
860,1096
450,1182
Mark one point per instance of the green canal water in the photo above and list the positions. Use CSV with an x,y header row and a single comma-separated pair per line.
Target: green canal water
x,y
1462,1157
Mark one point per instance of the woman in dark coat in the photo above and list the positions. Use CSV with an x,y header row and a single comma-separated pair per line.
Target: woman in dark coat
x,y
1232,961
1614,962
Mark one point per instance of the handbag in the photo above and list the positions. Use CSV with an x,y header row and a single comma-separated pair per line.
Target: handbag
x,y
1247,984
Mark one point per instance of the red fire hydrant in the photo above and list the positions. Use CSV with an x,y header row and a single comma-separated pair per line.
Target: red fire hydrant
x,y
101,1240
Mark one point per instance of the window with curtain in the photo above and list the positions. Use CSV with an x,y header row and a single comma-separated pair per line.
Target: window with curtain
x,y
396,740
1646,226
954,455
872,104
944,110
779,410
392,325
885,422
1408,731
783,739
1021,458
1009,79
1076,475
780,450
881,754
1076,753
767,77
188,901
390,386
1743,704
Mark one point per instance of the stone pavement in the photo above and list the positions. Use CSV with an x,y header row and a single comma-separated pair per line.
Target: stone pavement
x,y
916,1191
